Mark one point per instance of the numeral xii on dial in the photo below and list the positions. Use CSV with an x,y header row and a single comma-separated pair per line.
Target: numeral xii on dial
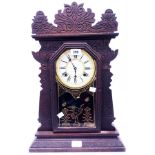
x,y
75,56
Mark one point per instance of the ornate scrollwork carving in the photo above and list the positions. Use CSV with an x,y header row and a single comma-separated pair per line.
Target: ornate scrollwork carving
x,y
108,22
40,24
74,18
102,46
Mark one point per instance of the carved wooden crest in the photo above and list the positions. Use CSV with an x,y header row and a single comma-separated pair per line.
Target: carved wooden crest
x,y
74,18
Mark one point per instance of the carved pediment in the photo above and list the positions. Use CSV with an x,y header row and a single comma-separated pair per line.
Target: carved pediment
x,y
74,19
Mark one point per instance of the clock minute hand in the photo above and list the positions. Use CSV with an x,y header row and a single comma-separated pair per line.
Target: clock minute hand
x,y
69,58
75,76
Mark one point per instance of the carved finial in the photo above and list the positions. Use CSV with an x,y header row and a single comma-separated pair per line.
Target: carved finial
x,y
40,24
108,22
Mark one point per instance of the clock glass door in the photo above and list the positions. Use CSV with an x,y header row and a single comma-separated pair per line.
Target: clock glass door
x,y
77,111
75,76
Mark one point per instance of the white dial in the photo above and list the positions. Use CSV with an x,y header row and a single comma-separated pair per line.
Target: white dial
x,y
75,68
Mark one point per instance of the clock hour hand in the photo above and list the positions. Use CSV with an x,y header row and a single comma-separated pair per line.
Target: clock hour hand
x,y
75,80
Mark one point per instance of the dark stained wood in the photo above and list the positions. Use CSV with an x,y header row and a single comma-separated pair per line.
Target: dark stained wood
x,y
74,36
108,144
50,134
74,19
74,29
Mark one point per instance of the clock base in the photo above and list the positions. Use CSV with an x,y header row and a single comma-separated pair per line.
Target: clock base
x,y
105,141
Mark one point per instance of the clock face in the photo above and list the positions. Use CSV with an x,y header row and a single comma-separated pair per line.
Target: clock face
x,y
75,68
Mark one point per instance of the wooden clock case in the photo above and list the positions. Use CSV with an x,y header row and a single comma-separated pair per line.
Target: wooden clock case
x,y
75,30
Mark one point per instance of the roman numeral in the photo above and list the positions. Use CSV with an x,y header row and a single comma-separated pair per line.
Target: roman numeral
x,y
81,57
62,67
64,74
69,58
64,61
75,56
85,74
81,79
87,68
68,79
86,61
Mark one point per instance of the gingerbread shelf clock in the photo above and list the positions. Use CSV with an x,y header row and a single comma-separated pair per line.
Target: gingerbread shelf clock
x,y
76,107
